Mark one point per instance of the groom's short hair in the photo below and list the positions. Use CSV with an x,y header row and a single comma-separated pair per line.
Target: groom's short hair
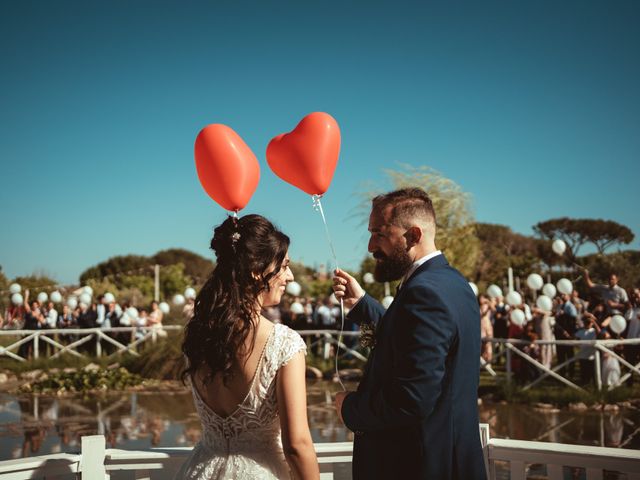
x,y
408,205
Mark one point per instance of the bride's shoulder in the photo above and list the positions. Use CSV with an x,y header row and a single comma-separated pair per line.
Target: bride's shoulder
x,y
289,342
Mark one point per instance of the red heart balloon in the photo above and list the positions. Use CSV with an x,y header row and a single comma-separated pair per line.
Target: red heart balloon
x,y
307,156
227,168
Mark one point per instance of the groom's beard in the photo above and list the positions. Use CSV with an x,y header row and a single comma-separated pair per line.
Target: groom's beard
x,y
393,266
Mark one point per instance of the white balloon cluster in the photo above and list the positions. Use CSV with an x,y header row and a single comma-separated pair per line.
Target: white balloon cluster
x,y
178,299
494,291
618,324
549,290
565,286
387,301
293,288
514,298
544,302
534,281
297,308
559,247
518,317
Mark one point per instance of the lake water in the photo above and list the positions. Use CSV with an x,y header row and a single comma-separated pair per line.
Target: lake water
x,y
38,426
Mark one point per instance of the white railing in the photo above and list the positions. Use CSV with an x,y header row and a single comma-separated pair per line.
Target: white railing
x,y
325,342
510,348
95,462
72,338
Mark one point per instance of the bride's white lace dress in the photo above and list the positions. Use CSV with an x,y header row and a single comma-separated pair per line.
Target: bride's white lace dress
x,y
246,444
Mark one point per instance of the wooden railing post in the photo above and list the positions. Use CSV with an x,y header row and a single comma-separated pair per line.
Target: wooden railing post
x,y
92,461
98,345
508,366
598,371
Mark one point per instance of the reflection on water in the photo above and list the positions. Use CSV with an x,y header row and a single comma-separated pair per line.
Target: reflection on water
x,y
38,426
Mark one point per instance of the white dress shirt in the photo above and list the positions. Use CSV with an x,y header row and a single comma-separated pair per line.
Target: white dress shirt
x,y
417,265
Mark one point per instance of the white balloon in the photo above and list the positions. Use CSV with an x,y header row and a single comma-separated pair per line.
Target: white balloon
x,y
534,281
109,297
125,319
88,290
178,299
297,308
84,306
56,297
387,301
494,291
517,317
15,288
565,286
85,298
17,299
514,298
558,246
132,312
618,324
164,307
544,303
368,278
474,287
190,293
43,297
549,290
72,303
293,288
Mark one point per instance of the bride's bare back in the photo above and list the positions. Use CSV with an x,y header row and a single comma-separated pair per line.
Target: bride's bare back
x,y
225,399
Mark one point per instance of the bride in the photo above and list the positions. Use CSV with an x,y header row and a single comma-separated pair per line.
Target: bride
x,y
247,374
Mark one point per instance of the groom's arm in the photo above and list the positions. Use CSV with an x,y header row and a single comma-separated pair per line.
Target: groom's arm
x,y
423,333
367,310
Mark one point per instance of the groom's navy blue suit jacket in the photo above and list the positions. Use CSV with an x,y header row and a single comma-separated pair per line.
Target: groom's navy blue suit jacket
x,y
415,414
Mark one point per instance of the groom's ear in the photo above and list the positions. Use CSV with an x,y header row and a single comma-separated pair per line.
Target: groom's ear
x,y
413,236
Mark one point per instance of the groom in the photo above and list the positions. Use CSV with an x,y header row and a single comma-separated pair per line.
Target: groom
x,y
415,413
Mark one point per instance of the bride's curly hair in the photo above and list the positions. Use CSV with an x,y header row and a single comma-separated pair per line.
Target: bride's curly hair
x,y
226,309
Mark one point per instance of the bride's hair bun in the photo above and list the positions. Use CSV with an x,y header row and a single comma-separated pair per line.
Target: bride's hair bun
x,y
226,237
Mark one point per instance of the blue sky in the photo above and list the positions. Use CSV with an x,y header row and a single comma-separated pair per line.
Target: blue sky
x,y
532,107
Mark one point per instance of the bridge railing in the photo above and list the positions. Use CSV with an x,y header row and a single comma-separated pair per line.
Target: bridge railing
x,y
82,342
503,458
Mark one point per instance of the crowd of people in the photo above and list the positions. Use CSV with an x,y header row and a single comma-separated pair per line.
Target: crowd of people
x,y
572,317
102,313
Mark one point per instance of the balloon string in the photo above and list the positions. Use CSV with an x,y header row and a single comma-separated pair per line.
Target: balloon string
x,y
317,206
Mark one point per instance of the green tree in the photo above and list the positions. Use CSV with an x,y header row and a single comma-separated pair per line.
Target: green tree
x,y
196,267
36,283
455,234
625,264
118,266
173,280
502,248
5,295
576,232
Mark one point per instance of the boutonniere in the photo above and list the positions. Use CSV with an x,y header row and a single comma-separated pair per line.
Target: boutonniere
x,y
367,335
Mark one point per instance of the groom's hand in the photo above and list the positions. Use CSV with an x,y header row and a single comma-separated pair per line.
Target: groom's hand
x,y
340,396
347,288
